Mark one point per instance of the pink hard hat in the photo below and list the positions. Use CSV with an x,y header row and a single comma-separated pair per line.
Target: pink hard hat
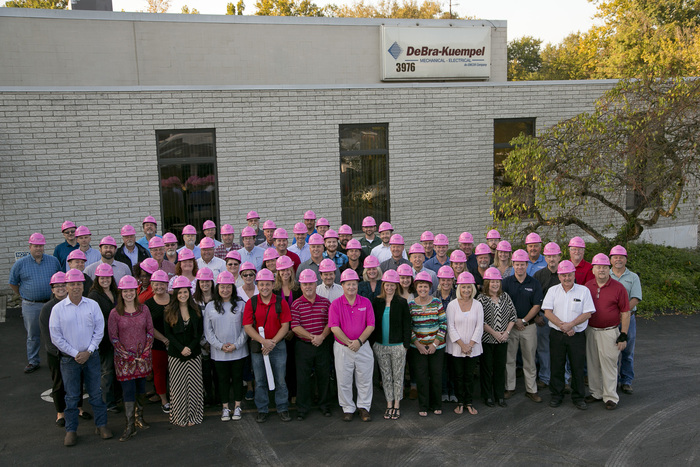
x,y
37,239
281,234
185,254
345,229
405,270
248,232
566,267
441,239
156,242
81,231
391,276
127,230
189,230
458,256
353,244
104,270
108,240
601,259
385,226
205,274
551,249
265,275
369,222
504,245
330,233
307,276
466,237
169,238
349,275
416,248
75,275
446,272
309,216
207,243
577,242
425,277
493,274
482,249
252,215
520,255
227,229
323,221
493,234
270,253
234,254
466,278
67,225
76,254
58,278
181,282
149,265
315,239
532,237
396,239
225,277
327,265
284,262
427,236
128,282
370,262
247,266
160,276
299,228
208,225
269,224
149,219
618,250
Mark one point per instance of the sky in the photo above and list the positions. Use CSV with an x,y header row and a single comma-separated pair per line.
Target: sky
x,y
549,20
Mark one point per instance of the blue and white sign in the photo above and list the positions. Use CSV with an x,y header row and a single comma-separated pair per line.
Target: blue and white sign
x,y
435,54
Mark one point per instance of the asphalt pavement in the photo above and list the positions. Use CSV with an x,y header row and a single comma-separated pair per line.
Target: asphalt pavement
x,y
658,425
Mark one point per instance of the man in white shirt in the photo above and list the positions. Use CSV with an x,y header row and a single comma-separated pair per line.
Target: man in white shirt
x,y
208,260
328,288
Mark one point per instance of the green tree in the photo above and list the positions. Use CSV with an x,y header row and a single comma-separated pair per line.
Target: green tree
x,y
186,10
629,162
288,8
524,59
230,9
409,9
44,4
240,6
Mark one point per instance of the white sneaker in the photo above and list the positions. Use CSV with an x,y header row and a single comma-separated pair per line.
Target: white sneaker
x,y
453,398
237,413
225,415
445,398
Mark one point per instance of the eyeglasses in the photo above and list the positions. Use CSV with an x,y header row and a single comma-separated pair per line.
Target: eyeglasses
x,y
248,275
69,231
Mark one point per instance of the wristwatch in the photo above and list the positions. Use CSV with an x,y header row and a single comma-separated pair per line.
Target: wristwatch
x,y
525,323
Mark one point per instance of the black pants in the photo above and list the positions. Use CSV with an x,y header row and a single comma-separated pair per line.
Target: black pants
x,y
317,359
493,370
463,371
58,392
562,346
428,378
230,373
291,373
210,381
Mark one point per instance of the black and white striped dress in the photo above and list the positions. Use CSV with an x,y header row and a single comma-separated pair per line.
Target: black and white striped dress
x,y
497,315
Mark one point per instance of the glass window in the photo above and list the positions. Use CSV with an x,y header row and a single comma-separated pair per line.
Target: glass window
x,y
504,130
188,182
364,173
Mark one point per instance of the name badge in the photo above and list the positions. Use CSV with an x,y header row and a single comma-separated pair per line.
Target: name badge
x,y
529,290
362,309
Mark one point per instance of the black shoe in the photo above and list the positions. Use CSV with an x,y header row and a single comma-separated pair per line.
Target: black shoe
x,y
113,409
591,400
284,416
489,402
502,403
301,416
262,417
61,422
567,389
627,389
555,402
581,405
85,416
326,412
31,368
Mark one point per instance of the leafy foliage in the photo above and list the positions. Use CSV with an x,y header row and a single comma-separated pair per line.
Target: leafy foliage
x,y
43,4
288,8
524,59
186,10
410,9
158,6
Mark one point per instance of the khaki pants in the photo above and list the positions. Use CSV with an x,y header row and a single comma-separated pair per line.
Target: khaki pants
x,y
601,356
359,364
527,341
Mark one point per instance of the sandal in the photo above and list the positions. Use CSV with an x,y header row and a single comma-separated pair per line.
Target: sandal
x,y
423,414
396,414
459,410
471,409
437,412
388,413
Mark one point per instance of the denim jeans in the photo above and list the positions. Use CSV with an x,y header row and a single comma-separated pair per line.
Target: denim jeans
x,y
543,351
30,315
278,362
627,356
71,371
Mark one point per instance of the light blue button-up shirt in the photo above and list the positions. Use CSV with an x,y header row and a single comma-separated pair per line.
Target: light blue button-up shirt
x,y
254,256
76,328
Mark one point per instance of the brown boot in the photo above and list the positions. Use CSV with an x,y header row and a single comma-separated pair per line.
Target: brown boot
x,y
70,439
130,429
140,422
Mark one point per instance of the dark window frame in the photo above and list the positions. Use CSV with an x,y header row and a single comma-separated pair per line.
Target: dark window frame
x,y
508,146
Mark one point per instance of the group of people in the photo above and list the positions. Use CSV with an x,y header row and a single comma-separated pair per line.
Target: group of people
x,y
208,319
